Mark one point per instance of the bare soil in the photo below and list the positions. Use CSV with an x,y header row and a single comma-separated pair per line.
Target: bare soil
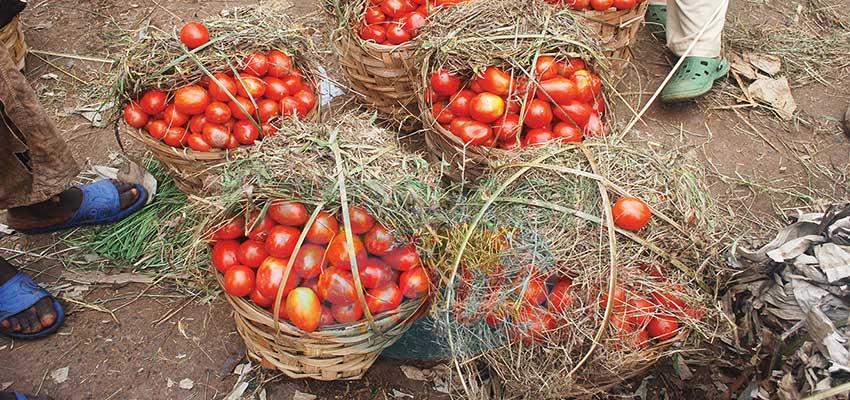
x,y
757,164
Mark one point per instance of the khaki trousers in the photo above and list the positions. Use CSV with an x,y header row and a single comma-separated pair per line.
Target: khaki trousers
x,y
685,18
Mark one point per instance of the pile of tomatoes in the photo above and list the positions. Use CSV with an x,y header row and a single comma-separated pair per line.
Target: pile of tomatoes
x,y
204,117
397,21
253,254
598,5
563,102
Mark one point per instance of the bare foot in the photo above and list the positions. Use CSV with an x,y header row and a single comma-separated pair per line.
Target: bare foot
x,y
62,207
32,320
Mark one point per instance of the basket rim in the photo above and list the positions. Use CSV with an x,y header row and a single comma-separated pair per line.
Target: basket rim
x,y
635,15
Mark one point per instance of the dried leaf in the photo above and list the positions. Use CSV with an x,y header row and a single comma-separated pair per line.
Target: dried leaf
x,y
299,395
776,93
821,329
399,394
186,384
238,390
766,63
413,373
834,261
60,375
5,385
794,248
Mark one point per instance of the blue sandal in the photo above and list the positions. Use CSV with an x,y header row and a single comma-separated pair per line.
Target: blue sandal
x,y
20,293
101,205
21,396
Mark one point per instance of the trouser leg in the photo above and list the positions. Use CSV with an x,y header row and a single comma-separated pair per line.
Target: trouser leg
x,y
685,18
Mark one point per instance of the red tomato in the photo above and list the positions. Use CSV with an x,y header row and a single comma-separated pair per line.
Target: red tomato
x,y
624,4
619,302
374,15
256,64
569,67
313,284
156,128
639,312
538,114
457,124
135,116
384,298
239,281
174,118
191,100
537,136
280,64
220,89
374,273
261,300
375,33
533,323
249,86
459,103
638,339
233,229
281,241
594,126
535,292
232,143
327,317
198,143
347,313
245,132
396,34
323,229
224,254
251,253
259,228
546,68
153,102
270,274
507,128
194,34
338,253
620,323
631,213
443,114
304,309
306,101
475,133
574,112
196,123
560,297
413,22
668,300
216,135
662,327
414,283
175,137
293,83
378,240
268,129
361,220
584,85
288,213
217,113
337,286
567,132
309,261
242,108
394,8
512,144
445,83
486,107
601,5
558,90
495,81
402,258
275,89
290,107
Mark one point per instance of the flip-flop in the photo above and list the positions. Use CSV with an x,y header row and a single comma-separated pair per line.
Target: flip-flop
x,y
694,78
656,19
20,293
101,205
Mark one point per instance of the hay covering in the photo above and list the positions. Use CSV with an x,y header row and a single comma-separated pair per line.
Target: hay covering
x,y
548,208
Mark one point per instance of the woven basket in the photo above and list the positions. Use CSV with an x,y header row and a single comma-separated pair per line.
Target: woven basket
x,y
335,352
618,30
383,76
466,163
12,37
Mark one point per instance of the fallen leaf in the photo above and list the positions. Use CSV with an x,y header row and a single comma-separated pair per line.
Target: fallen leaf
x,y
766,63
50,76
5,385
400,395
834,261
776,93
741,66
60,375
299,395
238,391
187,384
413,373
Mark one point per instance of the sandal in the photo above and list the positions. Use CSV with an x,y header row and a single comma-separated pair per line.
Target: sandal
x,y
101,205
20,293
694,78
656,19
21,396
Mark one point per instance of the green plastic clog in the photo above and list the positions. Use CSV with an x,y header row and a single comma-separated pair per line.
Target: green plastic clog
x,y
694,78
656,21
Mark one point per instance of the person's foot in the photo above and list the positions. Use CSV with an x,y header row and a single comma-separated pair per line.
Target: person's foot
x,y
656,21
694,78
11,396
32,320
61,208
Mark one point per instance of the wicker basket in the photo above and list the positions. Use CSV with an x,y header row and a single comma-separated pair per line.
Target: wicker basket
x,y
466,163
618,30
335,352
383,76
12,37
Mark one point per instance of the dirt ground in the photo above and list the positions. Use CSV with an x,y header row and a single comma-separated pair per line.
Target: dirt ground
x,y
757,164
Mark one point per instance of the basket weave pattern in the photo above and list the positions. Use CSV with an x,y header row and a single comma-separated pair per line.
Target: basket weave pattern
x,y
383,76
335,352
465,162
618,30
12,37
